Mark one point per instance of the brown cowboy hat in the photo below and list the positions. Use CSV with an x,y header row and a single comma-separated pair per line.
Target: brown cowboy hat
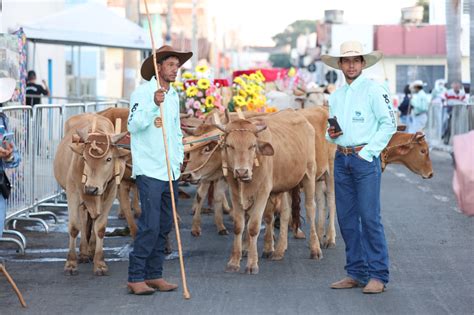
x,y
148,70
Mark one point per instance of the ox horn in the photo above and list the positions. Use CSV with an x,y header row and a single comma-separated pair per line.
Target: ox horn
x,y
181,116
419,135
261,127
227,116
221,127
190,130
117,137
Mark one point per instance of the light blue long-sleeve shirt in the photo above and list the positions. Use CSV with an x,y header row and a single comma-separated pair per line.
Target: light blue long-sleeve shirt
x,y
365,113
148,152
420,102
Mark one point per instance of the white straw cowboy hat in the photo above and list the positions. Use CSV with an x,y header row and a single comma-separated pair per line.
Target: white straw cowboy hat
x,y
148,69
352,49
7,87
417,83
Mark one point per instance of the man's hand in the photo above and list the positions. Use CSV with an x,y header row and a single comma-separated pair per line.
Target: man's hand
x,y
159,96
333,134
158,122
6,153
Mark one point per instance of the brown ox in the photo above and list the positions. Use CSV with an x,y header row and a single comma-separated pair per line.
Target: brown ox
x,y
410,150
287,142
88,171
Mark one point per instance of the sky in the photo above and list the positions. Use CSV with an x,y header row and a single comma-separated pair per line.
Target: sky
x,y
258,20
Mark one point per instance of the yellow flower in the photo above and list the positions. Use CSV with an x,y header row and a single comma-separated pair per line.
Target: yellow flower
x,y
239,81
271,110
243,93
187,76
202,69
260,75
204,84
209,101
239,100
254,77
292,72
249,89
191,91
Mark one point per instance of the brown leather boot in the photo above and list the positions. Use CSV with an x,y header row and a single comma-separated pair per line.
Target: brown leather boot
x,y
139,288
161,285
373,287
346,283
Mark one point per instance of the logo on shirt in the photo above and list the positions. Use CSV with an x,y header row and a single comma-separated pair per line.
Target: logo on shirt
x,y
358,117
387,100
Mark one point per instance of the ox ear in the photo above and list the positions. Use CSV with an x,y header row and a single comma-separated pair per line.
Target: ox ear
x,y
404,149
83,133
116,138
77,148
265,148
121,152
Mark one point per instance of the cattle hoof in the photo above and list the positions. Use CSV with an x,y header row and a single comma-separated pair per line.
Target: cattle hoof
x,y
277,256
244,253
70,269
136,215
232,268
223,232
196,233
100,271
316,255
84,259
121,216
251,270
329,244
206,211
267,255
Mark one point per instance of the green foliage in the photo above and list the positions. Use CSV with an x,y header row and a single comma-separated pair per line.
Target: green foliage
x,y
280,60
292,31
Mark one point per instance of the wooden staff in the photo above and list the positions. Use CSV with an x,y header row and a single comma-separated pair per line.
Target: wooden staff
x,y
173,204
15,288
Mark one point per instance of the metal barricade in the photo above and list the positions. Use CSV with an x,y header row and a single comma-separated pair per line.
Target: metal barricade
x,y
435,124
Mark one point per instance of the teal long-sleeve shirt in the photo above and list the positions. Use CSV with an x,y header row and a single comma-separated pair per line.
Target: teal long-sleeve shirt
x,y
420,102
148,152
365,113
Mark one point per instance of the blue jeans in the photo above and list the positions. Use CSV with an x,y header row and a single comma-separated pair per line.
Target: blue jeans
x,y
357,187
154,224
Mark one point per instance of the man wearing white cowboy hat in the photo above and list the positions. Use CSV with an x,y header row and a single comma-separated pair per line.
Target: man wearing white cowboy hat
x,y
149,167
419,103
9,158
364,112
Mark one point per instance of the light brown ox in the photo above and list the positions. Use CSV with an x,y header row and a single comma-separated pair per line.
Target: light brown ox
x,y
87,171
287,142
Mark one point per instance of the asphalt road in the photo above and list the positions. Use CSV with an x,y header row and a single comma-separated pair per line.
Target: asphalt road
x,y
430,244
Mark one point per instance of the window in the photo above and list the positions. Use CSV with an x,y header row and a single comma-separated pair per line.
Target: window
x,y
409,73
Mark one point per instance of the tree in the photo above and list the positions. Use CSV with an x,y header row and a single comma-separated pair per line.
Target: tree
x,y
280,60
453,39
292,31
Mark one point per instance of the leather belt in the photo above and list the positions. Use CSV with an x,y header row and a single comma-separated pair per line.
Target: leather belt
x,y
350,150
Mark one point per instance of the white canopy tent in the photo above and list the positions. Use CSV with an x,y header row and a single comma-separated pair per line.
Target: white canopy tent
x,y
89,24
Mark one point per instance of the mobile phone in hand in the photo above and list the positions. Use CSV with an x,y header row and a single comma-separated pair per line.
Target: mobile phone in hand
x,y
333,123
7,138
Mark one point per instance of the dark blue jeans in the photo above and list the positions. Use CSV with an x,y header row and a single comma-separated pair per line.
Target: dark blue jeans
x,y
154,224
357,185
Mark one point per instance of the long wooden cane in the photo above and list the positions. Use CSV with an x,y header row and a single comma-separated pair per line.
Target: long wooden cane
x,y
165,142
15,288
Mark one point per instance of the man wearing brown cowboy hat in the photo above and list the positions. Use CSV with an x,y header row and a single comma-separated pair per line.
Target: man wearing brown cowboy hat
x,y
149,167
365,115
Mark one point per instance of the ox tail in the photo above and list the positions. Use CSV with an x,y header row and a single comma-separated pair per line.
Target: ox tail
x,y
89,225
210,194
295,207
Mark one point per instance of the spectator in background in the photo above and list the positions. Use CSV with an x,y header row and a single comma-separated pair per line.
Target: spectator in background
x,y
34,89
437,101
452,97
419,107
404,107
9,158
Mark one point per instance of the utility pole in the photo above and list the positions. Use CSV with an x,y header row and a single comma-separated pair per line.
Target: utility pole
x,y
130,57
194,42
168,22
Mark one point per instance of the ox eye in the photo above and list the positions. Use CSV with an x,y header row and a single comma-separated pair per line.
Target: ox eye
x,y
109,159
207,149
423,151
230,147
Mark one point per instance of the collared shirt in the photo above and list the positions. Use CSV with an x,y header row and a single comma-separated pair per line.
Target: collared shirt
x,y
420,102
148,152
365,113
